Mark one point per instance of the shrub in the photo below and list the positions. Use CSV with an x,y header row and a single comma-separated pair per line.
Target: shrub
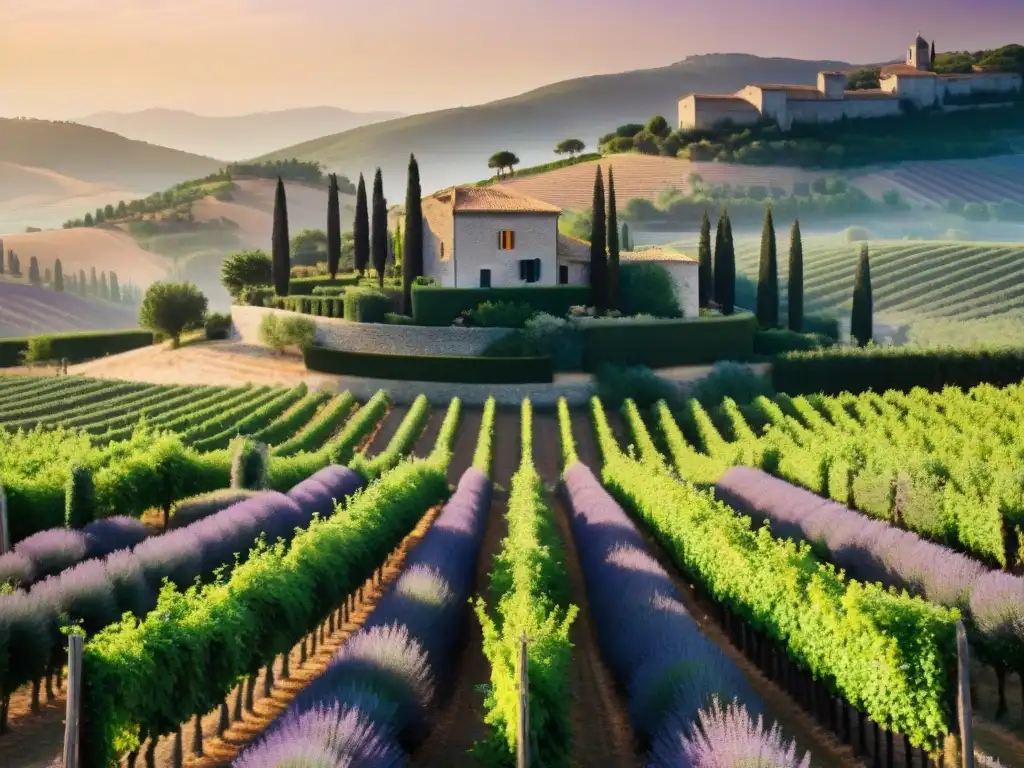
x,y
305,286
366,306
499,314
649,289
822,325
452,368
40,350
80,497
195,508
776,341
735,380
856,234
393,318
255,296
218,326
249,460
247,268
171,308
279,332
329,290
548,336
433,305
616,384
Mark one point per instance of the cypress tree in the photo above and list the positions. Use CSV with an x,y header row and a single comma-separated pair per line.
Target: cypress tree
x,y
94,283
82,285
768,275
397,247
33,271
104,288
931,60
361,229
58,276
704,274
727,295
795,300
1,256
333,228
627,241
861,319
115,289
379,232
280,243
79,497
412,245
598,254
717,289
613,245
47,277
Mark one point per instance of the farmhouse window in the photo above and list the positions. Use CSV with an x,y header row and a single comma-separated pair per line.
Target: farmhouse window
x,y
563,274
506,240
529,270
485,278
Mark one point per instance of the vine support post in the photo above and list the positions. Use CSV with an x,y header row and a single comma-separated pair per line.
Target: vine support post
x,y
74,705
963,704
5,531
523,732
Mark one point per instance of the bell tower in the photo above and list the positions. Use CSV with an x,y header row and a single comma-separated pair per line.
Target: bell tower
x,y
919,55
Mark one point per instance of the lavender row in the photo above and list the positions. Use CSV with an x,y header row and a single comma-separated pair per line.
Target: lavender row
x,y
96,593
373,702
871,550
675,678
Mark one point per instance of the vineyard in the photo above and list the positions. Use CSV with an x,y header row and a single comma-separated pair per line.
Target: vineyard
x,y
947,292
269,576
983,180
26,310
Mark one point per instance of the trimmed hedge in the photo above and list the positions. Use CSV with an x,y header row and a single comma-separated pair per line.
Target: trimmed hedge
x,y
77,347
321,306
859,369
434,305
665,343
366,306
449,368
303,286
779,341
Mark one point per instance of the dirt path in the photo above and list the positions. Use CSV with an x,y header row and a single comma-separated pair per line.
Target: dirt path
x,y
460,722
600,724
386,430
464,445
795,723
424,444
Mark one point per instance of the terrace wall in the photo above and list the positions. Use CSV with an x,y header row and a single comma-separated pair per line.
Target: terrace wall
x,y
378,338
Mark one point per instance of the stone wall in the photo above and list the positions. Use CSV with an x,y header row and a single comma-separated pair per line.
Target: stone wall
x,y
380,338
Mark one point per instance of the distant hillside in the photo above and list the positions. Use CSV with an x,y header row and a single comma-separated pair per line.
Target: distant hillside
x,y
97,156
26,310
453,145
236,137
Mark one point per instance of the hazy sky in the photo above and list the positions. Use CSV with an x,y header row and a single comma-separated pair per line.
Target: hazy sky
x,y
67,58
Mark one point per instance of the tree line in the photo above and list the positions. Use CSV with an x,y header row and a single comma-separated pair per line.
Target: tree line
x,y
104,286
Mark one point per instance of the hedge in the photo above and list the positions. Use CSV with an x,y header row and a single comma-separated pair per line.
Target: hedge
x,y
778,341
666,343
450,368
77,347
434,305
366,306
303,286
321,306
859,369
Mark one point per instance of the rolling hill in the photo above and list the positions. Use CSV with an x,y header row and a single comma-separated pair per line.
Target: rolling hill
x,y
453,145
235,137
26,310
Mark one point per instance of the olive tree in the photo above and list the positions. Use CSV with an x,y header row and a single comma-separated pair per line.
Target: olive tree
x,y
171,308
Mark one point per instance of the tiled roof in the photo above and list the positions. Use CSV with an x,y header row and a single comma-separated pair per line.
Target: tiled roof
x,y
905,70
718,97
572,248
492,200
772,87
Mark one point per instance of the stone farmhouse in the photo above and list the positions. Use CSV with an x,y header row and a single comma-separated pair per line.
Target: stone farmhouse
x,y
493,237
912,82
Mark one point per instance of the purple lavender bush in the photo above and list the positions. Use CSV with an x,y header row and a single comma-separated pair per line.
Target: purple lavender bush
x,y
319,493
872,550
53,550
654,648
110,534
724,738
391,671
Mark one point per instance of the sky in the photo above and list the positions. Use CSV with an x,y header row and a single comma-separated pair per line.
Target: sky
x,y
62,59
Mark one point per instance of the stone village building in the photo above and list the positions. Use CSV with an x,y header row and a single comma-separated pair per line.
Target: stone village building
x,y
912,82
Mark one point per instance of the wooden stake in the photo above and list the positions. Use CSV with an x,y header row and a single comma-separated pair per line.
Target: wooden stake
x,y
71,723
522,734
964,697
5,531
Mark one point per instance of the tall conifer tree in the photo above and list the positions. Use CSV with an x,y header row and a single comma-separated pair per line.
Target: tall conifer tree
x,y
104,287
115,288
280,242
768,275
333,228
717,275
94,283
58,276
613,245
626,243
412,245
795,293
704,271
361,229
2,260
83,288
726,291
33,271
861,317
598,246
379,230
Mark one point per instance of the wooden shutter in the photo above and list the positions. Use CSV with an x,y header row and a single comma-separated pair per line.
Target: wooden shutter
x,y
511,240
522,270
536,271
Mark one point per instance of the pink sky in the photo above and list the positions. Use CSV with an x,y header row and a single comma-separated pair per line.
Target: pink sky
x,y
67,58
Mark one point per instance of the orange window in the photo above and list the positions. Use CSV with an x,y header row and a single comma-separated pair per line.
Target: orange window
x,y
506,240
